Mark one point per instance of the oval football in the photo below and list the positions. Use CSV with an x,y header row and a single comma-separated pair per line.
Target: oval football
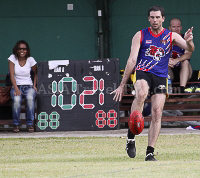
x,y
136,122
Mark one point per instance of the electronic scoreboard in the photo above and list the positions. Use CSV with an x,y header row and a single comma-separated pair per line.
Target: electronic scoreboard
x,y
75,95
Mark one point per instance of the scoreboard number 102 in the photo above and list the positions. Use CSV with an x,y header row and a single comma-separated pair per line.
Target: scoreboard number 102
x,y
100,115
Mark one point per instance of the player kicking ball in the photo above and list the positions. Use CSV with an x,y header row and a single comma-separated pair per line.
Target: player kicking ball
x,y
149,57
136,126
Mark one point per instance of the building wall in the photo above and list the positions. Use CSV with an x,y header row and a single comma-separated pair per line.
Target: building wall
x,y
52,31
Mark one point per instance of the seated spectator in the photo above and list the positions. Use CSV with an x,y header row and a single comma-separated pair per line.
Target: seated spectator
x,y
179,68
20,64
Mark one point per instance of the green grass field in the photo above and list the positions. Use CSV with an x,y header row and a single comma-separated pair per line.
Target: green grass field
x,y
178,156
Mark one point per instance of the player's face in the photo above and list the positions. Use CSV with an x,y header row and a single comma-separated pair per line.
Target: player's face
x,y
156,20
175,26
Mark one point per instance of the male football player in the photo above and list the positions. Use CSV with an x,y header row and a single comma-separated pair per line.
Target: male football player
x,y
150,53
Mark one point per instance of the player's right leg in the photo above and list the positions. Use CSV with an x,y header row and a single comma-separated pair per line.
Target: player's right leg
x,y
141,88
141,92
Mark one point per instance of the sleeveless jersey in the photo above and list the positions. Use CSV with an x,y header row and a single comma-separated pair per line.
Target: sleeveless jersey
x,y
177,52
154,52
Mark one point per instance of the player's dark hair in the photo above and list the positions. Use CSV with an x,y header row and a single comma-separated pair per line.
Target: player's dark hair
x,y
17,46
157,8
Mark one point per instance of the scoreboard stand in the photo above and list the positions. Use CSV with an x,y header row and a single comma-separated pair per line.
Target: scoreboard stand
x,y
75,95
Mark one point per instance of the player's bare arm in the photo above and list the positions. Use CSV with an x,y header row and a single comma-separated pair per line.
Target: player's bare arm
x,y
185,44
129,66
187,55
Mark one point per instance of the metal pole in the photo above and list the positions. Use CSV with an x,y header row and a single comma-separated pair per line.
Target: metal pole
x,y
100,29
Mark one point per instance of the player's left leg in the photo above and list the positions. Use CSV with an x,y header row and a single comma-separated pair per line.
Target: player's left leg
x,y
158,101
158,91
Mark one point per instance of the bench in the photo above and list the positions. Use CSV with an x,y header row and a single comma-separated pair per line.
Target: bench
x,y
187,103
6,124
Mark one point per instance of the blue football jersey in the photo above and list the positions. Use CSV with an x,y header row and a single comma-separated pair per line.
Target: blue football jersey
x,y
154,53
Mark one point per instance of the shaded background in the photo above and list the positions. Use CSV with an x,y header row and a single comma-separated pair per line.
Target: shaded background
x,y
54,32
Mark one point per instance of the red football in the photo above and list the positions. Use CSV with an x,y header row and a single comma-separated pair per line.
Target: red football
x,y
136,122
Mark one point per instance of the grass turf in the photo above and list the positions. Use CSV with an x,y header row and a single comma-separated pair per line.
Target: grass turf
x,y
178,156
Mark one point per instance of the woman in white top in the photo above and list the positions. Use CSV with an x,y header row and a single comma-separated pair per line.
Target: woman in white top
x,y
21,63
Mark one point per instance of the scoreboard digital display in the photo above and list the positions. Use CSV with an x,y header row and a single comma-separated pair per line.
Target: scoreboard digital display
x,y
75,95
